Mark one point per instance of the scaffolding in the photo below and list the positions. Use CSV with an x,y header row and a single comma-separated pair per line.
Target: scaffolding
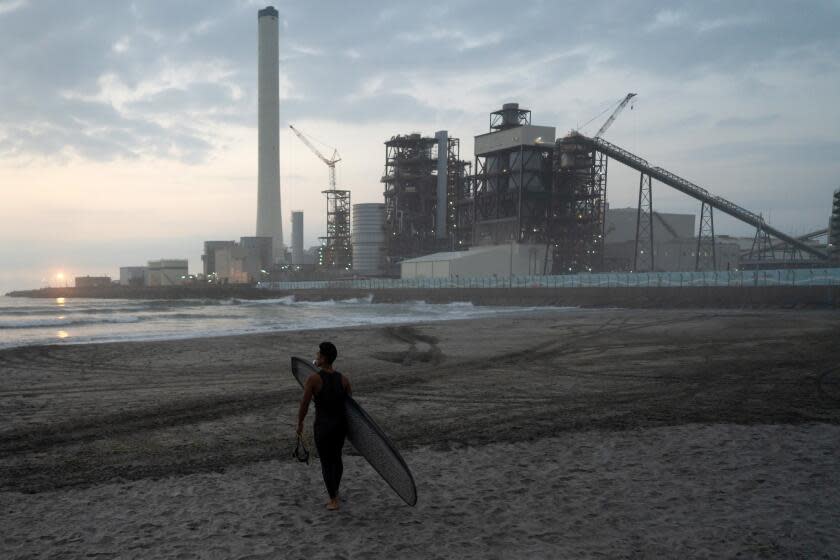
x,y
457,185
578,207
337,251
411,195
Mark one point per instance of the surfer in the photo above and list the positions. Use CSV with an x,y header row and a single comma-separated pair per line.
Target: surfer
x,y
329,389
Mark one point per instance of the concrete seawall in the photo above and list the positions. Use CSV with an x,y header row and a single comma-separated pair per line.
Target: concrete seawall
x,y
670,297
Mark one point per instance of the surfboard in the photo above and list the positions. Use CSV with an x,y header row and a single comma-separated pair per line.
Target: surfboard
x,y
369,440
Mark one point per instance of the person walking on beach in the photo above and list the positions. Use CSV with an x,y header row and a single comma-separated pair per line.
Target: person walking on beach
x,y
329,388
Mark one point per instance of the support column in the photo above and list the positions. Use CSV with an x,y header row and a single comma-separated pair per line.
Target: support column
x,y
643,253
706,239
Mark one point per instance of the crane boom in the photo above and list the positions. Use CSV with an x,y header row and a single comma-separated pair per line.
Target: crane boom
x,y
329,161
615,113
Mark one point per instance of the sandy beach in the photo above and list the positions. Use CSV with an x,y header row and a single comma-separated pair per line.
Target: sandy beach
x,y
577,433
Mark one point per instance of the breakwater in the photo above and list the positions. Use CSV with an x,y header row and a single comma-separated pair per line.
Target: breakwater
x,y
635,297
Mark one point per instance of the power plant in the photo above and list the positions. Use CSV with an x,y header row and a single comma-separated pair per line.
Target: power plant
x,y
529,203
422,181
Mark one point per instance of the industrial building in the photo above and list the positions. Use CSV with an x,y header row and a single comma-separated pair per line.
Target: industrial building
x,y
262,250
675,244
167,272
368,239
531,188
502,261
423,179
675,255
512,180
245,262
133,276
92,281
528,188
208,259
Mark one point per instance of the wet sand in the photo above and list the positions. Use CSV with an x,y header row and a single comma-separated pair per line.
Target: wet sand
x,y
617,433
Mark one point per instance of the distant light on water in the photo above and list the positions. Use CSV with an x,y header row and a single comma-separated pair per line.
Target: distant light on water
x,y
59,301
62,334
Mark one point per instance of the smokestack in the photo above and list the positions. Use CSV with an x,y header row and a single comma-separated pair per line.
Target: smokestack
x,y
297,238
442,138
269,211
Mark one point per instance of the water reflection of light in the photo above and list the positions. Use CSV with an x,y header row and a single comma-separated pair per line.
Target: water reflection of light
x,y
62,334
59,301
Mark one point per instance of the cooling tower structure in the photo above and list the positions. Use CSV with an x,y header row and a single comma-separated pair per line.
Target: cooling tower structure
x,y
297,238
269,211
368,238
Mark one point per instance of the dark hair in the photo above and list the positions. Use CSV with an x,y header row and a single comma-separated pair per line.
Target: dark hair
x,y
328,351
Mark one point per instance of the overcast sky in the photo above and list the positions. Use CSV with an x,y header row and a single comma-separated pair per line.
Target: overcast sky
x,y
128,129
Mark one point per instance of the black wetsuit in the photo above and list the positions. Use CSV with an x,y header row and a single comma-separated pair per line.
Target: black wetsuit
x,y
330,428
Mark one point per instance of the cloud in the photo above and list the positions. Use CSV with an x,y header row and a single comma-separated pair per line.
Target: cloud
x,y
461,40
156,62
744,122
308,51
11,5
665,19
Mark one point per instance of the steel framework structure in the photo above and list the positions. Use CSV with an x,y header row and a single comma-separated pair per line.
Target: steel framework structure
x,y
509,116
410,182
537,193
457,172
337,251
644,261
701,194
509,197
706,240
577,216
511,194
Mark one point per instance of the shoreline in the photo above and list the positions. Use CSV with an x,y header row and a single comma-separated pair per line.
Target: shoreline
x,y
817,297
616,432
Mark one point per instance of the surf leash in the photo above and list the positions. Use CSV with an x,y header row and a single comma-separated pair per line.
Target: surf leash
x,y
301,453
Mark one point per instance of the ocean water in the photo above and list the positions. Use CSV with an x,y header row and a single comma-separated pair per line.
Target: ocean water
x,y
30,321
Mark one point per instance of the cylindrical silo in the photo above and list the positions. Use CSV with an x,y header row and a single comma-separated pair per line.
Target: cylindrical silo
x,y
368,238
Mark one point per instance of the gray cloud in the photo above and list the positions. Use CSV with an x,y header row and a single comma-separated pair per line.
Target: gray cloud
x,y
746,122
55,48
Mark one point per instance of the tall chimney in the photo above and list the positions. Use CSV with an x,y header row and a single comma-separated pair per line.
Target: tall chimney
x,y
269,211
297,237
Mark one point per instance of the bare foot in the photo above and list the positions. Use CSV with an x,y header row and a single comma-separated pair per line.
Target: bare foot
x,y
332,505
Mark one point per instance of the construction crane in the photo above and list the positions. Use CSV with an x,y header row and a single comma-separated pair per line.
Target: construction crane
x,y
615,113
329,161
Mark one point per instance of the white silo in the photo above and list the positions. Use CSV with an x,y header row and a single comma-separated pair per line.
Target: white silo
x,y
297,238
269,211
368,238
